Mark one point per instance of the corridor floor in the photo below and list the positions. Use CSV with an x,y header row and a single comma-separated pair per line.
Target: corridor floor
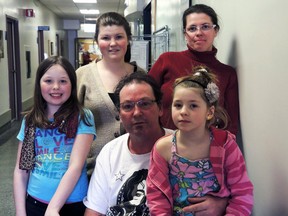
x,y
8,151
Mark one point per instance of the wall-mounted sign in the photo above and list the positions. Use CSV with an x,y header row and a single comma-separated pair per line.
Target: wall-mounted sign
x,y
29,13
43,28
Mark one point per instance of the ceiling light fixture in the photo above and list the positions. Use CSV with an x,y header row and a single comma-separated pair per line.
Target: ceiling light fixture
x,y
85,1
89,11
91,19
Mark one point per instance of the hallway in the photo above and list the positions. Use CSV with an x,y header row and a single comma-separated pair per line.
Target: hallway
x,y
8,150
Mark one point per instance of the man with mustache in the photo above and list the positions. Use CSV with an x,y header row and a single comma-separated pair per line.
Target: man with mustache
x,y
122,165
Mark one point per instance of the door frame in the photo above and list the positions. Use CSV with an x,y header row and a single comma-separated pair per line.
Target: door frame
x,y
14,69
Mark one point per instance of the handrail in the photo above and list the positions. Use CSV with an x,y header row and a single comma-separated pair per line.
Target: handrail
x,y
164,28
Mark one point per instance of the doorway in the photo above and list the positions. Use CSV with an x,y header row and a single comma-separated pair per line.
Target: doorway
x,y
14,72
147,30
40,41
86,51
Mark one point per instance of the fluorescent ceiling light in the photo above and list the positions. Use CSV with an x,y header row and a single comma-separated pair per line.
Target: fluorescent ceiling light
x,y
85,1
89,11
91,19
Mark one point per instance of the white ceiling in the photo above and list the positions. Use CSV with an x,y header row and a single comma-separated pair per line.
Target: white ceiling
x,y
67,9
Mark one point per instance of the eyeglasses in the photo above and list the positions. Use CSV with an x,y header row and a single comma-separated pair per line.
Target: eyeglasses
x,y
203,27
144,104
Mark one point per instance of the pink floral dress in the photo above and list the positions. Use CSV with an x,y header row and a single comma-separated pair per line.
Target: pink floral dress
x,y
189,179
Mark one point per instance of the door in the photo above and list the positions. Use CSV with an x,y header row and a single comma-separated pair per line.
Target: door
x,y
14,72
147,30
40,41
58,53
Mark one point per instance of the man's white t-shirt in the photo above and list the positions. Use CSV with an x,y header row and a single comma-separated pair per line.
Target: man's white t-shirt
x,y
118,183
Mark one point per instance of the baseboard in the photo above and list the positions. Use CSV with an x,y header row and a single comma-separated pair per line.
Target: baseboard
x,y
5,121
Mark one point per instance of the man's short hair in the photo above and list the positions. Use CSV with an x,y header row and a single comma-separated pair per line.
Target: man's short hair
x,y
139,77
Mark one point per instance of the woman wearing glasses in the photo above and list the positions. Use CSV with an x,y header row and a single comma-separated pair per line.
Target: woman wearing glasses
x,y
200,27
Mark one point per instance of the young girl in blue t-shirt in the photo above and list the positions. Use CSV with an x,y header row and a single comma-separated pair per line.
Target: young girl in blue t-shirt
x,y
54,140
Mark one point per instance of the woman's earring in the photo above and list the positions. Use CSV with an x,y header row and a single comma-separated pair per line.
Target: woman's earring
x,y
209,117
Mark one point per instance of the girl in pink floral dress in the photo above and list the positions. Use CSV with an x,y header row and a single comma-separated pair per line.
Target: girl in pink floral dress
x,y
197,159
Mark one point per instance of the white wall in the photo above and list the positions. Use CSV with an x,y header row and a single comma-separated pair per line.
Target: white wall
x,y
169,12
253,38
28,41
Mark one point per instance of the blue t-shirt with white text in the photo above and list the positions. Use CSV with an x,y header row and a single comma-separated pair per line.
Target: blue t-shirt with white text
x,y
53,151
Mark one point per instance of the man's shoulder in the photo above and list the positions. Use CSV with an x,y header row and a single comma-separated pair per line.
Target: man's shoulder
x,y
116,143
113,150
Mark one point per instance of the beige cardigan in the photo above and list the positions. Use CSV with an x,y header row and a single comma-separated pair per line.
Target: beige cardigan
x,y
92,95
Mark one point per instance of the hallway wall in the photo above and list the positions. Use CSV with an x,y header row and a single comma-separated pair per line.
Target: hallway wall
x,y
253,38
28,41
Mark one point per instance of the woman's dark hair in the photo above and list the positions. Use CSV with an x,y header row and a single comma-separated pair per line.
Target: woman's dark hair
x,y
113,18
201,8
132,183
37,115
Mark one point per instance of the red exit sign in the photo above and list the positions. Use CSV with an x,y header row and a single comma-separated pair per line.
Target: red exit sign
x,y
29,13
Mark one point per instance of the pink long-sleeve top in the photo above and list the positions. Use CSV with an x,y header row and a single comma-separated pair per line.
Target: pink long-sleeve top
x,y
229,167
